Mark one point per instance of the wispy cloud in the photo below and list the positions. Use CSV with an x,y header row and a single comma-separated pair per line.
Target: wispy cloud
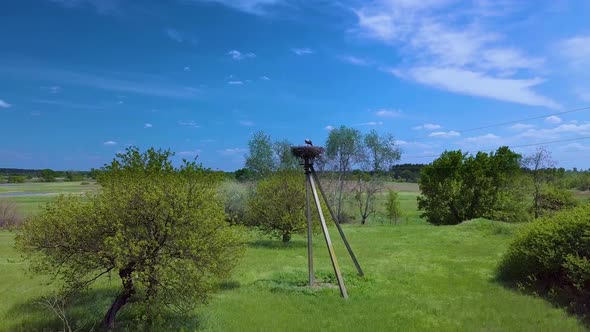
x,y
232,151
191,153
237,55
4,104
101,6
522,126
445,134
452,52
246,123
256,7
235,82
117,82
576,49
553,119
265,78
353,60
147,125
370,123
110,143
427,126
52,89
189,123
302,51
174,35
329,128
388,113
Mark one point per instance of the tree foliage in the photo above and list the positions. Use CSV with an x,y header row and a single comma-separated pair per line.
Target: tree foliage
x,y
277,206
260,159
380,151
48,175
538,165
161,229
457,187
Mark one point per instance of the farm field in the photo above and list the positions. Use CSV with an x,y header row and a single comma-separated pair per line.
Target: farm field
x,y
418,277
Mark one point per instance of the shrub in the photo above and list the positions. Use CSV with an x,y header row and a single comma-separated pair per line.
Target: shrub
x,y
9,215
554,199
235,198
552,256
277,206
16,179
392,205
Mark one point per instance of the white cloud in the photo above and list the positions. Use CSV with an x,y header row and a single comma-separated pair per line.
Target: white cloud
x,y
52,89
483,139
189,123
558,132
186,68
232,151
265,78
192,153
110,143
478,84
445,134
576,49
302,51
235,82
553,119
522,126
427,126
246,123
237,55
388,113
148,125
4,104
356,61
329,128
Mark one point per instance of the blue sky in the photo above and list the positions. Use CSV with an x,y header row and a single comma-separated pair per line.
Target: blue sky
x,y
83,79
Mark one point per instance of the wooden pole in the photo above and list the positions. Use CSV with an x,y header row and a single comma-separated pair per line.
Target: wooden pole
x,y
343,291
337,222
309,227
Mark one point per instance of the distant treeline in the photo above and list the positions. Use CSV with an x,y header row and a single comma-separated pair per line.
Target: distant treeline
x,y
19,175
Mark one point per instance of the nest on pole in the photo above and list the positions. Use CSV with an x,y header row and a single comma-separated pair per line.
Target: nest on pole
x,y
307,152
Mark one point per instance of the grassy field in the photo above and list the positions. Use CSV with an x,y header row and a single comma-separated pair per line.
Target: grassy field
x,y
418,277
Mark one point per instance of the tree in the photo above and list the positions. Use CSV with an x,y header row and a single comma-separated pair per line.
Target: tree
x,y
260,160
344,148
285,160
392,206
365,190
47,175
456,187
160,228
537,163
277,206
381,152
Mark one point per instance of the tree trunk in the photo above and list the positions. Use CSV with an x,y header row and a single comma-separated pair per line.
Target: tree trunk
x,y
286,237
108,322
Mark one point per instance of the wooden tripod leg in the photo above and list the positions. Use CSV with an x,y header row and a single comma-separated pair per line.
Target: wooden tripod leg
x,y
309,231
337,222
343,291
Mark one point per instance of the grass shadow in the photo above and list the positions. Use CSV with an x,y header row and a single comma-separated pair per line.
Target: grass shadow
x,y
274,244
575,305
85,313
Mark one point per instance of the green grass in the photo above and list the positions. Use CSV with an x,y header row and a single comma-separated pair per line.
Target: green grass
x,y
418,278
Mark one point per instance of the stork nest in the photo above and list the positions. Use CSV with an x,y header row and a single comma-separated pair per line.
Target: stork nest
x,y
307,152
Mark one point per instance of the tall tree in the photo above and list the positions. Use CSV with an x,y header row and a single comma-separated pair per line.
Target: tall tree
x,y
537,164
344,147
260,159
381,152
161,229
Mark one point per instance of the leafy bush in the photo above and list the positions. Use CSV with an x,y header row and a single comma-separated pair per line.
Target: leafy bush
x,y
16,179
552,256
553,199
277,206
235,198
9,215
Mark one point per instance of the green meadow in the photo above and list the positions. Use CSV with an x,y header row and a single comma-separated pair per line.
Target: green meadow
x,y
418,277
